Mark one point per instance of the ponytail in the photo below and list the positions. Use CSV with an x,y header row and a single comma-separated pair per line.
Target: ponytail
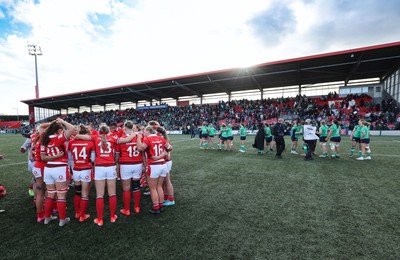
x,y
150,129
104,130
52,129
83,130
162,131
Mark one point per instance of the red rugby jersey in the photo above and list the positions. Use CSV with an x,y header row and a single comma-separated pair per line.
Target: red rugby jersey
x,y
155,146
105,157
94,132
81,151
128,152
55,146
119,132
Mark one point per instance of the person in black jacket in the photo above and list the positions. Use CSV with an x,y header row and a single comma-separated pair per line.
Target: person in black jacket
x,y
259,139
279,132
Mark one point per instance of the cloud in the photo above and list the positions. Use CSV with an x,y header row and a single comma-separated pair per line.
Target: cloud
x,y
273,24
349,23
2,15
101,43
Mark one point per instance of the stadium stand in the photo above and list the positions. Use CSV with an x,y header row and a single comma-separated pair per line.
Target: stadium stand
x,y
358,67
253,112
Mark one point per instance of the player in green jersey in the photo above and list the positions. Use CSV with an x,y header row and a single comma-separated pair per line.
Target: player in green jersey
x,y
355,138
229,137
296,131
334,138
268,138
242,133
204,136
222,136
211,133
365,149
323,133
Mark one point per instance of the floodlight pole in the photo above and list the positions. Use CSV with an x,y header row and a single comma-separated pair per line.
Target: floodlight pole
x,y
35,50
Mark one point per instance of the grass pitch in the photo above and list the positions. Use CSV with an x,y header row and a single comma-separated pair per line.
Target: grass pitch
x,y
229,206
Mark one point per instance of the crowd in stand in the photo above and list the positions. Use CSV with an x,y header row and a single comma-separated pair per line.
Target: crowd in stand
x,y
253,112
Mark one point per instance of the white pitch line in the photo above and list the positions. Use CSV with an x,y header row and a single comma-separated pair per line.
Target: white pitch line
x,y
11,164
385,155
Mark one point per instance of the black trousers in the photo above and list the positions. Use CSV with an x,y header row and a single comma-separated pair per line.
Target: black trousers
x,y
280,145
311,147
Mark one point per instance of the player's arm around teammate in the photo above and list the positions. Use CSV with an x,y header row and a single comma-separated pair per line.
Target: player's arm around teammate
x,y
155,147
83,156
105,170
131,166
169,199
38,172
56,172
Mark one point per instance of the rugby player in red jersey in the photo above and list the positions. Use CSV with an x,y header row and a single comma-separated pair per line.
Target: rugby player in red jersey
x,y
169,199
105,170
131,165
56,172
155,147
92,130
83,155
38,171
115,130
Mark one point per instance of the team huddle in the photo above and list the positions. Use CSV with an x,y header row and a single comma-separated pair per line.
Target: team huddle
x,y
140,156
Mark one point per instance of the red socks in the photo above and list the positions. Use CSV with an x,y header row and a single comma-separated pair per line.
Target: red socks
x,y
77,203
136,198
62,209
126,198
166,196
156,206
171,198
100,208
55,203
40,214
112,201
48,207
84,206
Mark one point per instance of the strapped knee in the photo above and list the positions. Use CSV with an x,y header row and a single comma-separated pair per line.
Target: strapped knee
x,y
51,191
78,190
323,144
333,147
135,186
65,190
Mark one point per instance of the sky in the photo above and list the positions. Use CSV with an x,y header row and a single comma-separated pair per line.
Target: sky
x,y
101,43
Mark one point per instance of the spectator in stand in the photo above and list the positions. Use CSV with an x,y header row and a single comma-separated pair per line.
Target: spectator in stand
x,y
251,112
